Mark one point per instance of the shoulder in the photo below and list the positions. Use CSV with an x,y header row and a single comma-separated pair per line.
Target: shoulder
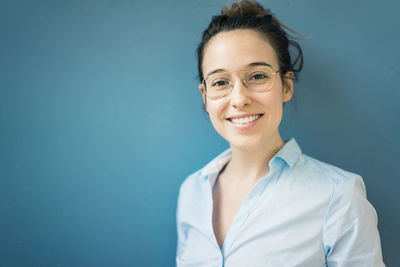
x,y
308,172
325,174
345,191
193,189
197,180
318,181
194,196
350,221
314,167
191,182
349,226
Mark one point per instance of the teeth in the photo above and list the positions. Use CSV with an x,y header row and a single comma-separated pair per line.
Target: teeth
x,y
245,119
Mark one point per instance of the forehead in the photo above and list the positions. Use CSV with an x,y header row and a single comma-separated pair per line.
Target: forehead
x,y
236,49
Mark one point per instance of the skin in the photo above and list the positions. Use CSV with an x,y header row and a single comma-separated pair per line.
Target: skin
x,y
253,147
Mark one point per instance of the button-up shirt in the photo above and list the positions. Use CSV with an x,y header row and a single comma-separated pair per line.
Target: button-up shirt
x,y
302,213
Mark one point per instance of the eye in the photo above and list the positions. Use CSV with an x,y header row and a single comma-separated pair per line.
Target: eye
x,y
259,76
219,83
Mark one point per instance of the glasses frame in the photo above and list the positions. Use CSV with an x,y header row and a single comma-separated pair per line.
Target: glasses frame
x,y
231,83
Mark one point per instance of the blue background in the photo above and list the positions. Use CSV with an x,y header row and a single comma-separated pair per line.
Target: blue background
x,y
101,120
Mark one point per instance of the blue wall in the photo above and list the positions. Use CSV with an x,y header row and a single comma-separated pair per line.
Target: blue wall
x,y
101,120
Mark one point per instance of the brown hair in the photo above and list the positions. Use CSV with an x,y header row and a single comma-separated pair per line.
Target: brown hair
x,y
249,14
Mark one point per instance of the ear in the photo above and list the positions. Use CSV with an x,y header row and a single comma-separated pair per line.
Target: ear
x,y
203,95
287,86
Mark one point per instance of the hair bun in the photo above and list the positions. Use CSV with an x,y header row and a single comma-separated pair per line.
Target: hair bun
x,y
248,8
245,8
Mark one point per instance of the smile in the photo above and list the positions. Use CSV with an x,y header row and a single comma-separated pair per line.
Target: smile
x,y
245,120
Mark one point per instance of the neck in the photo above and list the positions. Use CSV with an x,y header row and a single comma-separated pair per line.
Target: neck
x,y
251,165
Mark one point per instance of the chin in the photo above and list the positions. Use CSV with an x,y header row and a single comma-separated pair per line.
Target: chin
x,y
246,144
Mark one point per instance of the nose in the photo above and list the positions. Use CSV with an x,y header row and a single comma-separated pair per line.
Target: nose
x,y
240,95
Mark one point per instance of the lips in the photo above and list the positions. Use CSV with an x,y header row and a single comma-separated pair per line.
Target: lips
x,y
244,119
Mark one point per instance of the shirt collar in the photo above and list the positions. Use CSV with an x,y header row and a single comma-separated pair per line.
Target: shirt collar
x,y
217,163
290,152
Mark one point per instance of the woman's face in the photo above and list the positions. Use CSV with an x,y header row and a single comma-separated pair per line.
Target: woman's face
x,y
260,112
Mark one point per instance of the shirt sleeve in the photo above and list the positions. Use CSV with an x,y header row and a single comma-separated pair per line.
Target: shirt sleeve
x,y
350,233
180,231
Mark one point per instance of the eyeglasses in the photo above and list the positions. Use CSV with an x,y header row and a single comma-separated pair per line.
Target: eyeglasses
x,y
220,84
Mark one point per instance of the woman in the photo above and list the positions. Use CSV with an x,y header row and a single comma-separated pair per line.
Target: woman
x,y
262,202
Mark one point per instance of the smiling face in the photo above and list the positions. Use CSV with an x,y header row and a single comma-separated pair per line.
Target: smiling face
x,y
247,119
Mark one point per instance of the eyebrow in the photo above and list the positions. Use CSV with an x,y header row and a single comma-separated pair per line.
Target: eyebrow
x,y
253,64
259,64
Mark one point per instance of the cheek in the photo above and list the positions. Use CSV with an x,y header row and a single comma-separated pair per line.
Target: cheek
x,y
272,102
216,113
273,107
215,108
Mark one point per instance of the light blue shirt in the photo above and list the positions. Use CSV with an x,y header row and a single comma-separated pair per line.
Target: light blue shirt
x,y
303,213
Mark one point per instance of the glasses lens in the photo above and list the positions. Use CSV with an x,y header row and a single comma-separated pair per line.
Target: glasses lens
x,y
258,79
218,84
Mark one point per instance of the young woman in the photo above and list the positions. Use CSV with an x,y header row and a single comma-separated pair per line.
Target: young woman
x,y
263,202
